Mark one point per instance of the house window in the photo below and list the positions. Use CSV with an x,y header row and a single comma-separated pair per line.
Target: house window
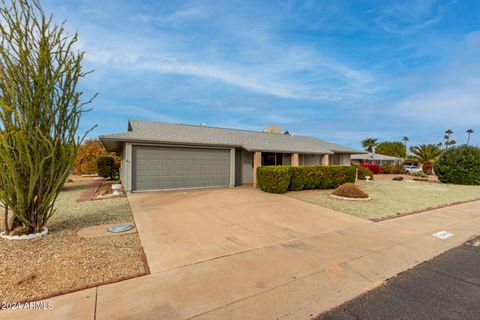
x,y
278,159
271,159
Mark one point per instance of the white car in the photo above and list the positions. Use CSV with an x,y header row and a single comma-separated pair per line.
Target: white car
x,y
412,169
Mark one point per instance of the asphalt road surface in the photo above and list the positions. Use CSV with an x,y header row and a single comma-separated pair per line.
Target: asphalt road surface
x,y
446,287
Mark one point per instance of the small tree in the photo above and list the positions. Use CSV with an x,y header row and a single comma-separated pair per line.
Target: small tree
x,y
369,144
40,110
469,132
448,142
426,154
88,152
405,140
392,148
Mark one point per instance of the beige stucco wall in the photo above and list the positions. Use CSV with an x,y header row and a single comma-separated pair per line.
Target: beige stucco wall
x,y
286,159
126,167
340,159
311,160
122,165
246,167
345,160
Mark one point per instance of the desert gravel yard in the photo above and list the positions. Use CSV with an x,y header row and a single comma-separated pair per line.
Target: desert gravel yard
x,y
64,261
392,198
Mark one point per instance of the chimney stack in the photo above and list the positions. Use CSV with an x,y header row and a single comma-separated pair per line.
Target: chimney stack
x,y
272,129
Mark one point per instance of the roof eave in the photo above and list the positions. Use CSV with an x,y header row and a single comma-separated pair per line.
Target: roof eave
x,y
291,151
164,142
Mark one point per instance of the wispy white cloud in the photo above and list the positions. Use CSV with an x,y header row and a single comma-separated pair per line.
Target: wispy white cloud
x,y
330,79
404,17
450,94
245,53
341,69
448,106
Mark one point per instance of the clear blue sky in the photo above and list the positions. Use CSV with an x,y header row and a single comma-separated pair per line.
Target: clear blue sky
x,y
337,70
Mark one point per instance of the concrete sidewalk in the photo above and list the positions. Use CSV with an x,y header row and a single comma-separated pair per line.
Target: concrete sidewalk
x,y
293,279
446,287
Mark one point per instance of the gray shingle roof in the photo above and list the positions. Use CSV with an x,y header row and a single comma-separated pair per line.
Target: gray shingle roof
x,y
162,132
371,156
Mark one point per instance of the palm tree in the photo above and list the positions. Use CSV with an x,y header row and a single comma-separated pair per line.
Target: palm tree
x,y
405,140
469,131
446,137
369,144
426,154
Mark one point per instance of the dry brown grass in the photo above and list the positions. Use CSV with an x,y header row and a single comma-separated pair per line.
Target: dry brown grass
x,y
63,261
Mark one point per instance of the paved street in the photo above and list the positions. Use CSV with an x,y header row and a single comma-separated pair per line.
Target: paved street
x,y
446,287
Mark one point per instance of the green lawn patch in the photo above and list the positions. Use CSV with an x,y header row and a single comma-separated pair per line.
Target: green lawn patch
x,y
392,198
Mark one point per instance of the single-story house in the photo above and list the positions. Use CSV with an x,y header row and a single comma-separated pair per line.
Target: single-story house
x,y
375,158
158,155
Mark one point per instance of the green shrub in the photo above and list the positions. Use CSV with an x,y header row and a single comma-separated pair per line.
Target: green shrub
x,y
336,176
106,167
395,169
387,168
460,165
349,190
273,179
364,172
307,177
320,177
419,174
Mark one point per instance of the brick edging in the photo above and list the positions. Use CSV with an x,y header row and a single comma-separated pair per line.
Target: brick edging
x,y
424,210
146,271
89,194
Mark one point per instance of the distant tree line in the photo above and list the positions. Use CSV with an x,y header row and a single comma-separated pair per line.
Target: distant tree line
x,y
425,154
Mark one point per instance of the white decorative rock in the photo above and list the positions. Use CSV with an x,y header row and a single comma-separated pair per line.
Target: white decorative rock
x,y
30,236
351,199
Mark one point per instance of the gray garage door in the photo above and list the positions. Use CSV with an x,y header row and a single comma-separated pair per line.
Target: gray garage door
x,y
157,168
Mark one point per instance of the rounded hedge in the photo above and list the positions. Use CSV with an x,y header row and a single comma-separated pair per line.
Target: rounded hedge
x,y
320,177
273,179
280,179
460,165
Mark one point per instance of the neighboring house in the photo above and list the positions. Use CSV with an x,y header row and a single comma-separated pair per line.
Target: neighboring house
x,y
375,158
157,155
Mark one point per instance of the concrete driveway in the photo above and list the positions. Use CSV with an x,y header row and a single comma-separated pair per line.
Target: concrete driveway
x,y
245,254
181,228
